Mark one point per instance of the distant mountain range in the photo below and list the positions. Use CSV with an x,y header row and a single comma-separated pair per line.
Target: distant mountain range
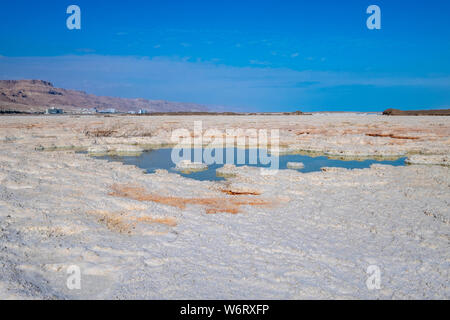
x,y
39,95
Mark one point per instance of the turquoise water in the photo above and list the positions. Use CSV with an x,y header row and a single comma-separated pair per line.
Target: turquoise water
x,y
161,159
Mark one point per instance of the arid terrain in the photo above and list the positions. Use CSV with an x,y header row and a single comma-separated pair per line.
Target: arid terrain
x,y
33,96
162,236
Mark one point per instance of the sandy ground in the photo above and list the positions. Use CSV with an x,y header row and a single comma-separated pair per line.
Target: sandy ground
x,y
162,236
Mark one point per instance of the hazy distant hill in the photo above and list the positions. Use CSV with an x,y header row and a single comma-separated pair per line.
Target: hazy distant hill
x,y
38,95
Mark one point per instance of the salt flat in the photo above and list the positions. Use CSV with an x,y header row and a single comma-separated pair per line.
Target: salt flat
x,y
161,236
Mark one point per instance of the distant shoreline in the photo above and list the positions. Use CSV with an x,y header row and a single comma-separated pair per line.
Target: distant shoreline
x,y
388,112
436,112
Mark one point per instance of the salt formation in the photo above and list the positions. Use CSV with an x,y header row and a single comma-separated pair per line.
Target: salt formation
x,y
292,235
187,165
295,165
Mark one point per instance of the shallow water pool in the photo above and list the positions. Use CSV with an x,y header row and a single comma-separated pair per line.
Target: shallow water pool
x,y
161,159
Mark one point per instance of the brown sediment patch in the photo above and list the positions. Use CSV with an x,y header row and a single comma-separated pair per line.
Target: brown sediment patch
x,y
168,221
241,193
140,194
390,135
34,125
114,221
100,133
213,205
122,222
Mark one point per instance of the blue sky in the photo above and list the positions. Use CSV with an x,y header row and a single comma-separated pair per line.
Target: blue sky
x,y
239,55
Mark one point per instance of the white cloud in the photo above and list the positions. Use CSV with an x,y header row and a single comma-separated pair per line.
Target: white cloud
x,y
259,63
202,82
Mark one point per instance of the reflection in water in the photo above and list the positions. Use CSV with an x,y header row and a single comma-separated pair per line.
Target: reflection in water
x,y
161,159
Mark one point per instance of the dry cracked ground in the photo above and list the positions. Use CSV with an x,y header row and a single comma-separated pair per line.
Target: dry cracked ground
x,y
162,236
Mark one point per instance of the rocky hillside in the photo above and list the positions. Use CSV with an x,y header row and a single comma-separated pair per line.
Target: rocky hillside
x,y
396,112
38,95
